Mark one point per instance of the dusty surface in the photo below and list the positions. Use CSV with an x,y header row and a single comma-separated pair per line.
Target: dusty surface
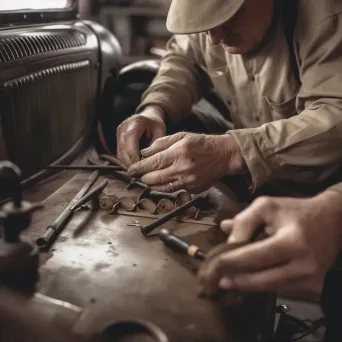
x,y
113,272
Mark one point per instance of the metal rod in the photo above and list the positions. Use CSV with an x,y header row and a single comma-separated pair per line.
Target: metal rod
x,y
91,194
57,226
169,216
114,161
179,245
83,167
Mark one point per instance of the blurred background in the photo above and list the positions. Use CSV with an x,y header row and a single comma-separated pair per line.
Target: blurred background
x,y
139,25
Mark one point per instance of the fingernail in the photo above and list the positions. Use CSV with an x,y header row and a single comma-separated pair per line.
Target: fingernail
x,y
145,151
226,283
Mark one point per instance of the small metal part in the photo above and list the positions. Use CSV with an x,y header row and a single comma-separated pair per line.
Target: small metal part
x,y
283,309
179,245
165,206
197,215
147,204
144,194
115,208
174,213
107,202
182,198
127,203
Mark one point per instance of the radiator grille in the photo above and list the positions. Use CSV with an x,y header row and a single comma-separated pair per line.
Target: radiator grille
x,y
45,112
17,47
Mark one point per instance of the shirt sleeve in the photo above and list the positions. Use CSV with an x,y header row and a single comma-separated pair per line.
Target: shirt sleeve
x,y
312,140
180,82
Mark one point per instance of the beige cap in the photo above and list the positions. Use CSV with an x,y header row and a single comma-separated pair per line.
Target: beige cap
x,y
193,16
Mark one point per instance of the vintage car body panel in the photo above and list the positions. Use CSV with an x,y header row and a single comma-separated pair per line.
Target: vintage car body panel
x,y
51,82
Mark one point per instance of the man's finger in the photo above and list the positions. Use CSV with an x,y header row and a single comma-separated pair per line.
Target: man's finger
x,y
253,257
267,280
159,177
247,222
162,144
158,161
227,226
169,187
132,137
121,150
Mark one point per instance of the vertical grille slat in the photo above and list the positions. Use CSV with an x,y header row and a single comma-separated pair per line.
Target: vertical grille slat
x,y
36,121
14,48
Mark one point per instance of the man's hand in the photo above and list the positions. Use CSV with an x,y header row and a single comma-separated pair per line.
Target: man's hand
x,y
149,123
189,161
304,241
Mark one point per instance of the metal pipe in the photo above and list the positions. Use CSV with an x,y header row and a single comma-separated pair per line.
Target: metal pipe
x,y
57,226
169,216
83,167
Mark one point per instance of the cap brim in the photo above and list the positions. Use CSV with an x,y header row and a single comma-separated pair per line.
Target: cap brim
x,y
187,16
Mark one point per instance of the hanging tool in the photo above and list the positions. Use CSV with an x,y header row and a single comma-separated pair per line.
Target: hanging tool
x,y
179,245
174,213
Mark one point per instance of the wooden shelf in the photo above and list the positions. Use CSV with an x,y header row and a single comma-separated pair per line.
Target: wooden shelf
x,y
133,11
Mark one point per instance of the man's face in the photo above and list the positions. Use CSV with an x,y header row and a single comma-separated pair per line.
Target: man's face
x,y
246,30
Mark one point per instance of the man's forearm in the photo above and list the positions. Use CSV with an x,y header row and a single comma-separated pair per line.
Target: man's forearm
x,y
179,83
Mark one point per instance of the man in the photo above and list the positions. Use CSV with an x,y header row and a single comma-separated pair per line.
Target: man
x,y
287,128
305,239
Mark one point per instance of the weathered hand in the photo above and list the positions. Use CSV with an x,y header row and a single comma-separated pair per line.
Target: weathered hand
x,y
189,161
149,123
304,240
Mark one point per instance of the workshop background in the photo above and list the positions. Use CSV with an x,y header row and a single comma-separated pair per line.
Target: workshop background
x,y
139,25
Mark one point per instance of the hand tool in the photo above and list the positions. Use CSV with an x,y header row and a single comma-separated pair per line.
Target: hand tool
x,y
174,213
179,245
83,167
57,226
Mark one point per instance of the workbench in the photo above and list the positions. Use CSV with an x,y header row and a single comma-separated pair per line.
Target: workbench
x,y
105,266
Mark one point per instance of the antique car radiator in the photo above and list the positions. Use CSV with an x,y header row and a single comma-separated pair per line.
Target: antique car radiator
x,y
52,80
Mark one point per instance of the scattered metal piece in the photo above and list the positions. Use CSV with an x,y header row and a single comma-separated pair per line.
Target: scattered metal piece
x,y
165,206
169,216
144,194
127,203
133,225
183,197
197,215
147,204
115,208
106,202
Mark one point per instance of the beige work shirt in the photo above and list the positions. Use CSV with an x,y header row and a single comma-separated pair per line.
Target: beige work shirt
x,y
285,130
